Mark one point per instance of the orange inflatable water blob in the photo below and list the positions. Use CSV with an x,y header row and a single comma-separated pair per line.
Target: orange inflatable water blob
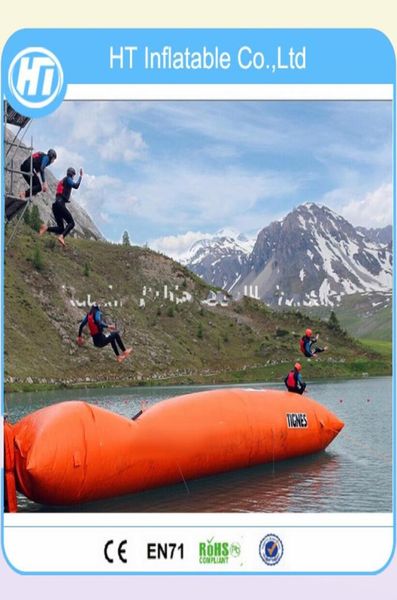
x,y
74,452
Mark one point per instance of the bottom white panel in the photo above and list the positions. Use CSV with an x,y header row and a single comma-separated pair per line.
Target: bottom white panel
x,y
143,549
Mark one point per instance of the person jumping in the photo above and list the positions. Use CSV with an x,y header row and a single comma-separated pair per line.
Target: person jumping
x,y
60,212
306,344
294,382
38,162
96,326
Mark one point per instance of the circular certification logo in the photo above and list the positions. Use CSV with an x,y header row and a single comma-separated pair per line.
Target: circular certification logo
x,y
35,77
271,549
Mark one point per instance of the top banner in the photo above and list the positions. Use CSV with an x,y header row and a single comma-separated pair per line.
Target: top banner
x,y
39,64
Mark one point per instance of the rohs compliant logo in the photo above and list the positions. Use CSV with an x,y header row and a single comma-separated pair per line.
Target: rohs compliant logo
x,y
214,552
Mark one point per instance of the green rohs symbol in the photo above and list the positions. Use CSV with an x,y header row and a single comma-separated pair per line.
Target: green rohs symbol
x,y
218,553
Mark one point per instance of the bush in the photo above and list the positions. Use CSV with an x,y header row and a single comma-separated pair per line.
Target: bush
x,y
35,220
126,239
170,311
281,332
200,333
333,322
86,270
37,259
26,216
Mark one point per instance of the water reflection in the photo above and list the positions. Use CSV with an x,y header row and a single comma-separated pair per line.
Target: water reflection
x,y
263,488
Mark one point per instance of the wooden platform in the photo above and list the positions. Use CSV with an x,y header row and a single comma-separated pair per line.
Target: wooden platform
x,y
12,117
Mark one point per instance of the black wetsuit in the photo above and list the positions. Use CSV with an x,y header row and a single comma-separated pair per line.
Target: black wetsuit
x,y
60,212
101,340
39,162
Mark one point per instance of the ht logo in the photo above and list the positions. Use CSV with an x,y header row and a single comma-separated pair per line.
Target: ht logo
x,y
35,77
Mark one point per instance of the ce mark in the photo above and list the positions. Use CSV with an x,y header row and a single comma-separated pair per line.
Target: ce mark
x,y
120,551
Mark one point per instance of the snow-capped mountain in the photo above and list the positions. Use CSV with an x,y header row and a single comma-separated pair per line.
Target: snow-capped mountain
x,y
380,235
312,257
220,259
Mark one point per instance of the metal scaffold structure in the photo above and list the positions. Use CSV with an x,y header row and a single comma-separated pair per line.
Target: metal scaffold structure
x,y
14,204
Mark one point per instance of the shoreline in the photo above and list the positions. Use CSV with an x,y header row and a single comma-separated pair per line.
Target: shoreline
x,y
247,376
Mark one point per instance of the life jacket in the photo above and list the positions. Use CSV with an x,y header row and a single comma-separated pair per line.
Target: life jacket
x,y
93,325
63,189
302,344
291,382
37,157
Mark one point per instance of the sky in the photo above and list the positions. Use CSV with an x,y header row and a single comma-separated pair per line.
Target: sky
x,y
170,173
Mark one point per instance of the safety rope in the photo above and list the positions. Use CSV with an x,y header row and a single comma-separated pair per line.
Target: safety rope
x,y
273,469
184,480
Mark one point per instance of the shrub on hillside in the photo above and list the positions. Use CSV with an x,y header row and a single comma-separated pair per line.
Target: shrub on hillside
x,y
35,220
37,259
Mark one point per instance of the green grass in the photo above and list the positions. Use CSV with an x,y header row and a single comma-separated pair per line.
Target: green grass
x,y
382,347
366,316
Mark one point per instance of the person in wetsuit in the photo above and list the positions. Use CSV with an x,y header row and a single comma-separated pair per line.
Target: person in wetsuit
x,y
60,212
307,344
96,325
294,382
38,163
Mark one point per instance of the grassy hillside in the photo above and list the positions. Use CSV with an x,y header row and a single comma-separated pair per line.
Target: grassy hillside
x,y
367,317
364,316
172,342
383,347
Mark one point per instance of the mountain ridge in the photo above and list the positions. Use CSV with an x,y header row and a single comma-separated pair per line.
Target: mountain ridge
x,y
311,257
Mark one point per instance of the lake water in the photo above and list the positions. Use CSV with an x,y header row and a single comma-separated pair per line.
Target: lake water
x,y
354,474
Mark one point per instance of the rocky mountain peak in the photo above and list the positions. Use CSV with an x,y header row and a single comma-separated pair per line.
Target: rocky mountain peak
x,y
311,257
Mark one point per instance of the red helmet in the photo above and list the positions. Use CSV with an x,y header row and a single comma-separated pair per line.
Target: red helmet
x,y
308,332
298,366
